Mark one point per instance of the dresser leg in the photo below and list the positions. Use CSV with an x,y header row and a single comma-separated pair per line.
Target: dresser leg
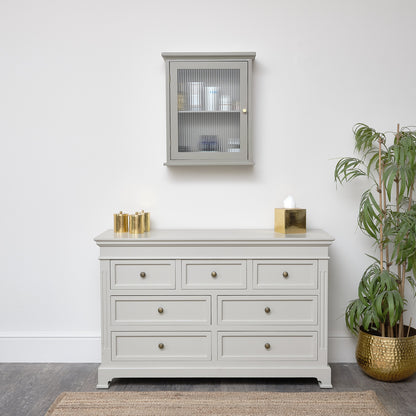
x,y
103,381
325,382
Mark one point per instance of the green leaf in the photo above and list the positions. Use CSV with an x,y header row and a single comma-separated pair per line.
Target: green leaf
x,y
367,319
347,169
365,137
391,306
379,306
369,214
372,163
352,314
388,178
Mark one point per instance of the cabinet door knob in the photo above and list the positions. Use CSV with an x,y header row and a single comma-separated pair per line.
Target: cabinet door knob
x,y
214,274
160,309
244,110
267,309
267,346
142,274
161,346
285,274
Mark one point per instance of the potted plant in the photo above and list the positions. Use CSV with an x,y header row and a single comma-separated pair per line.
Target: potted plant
x,y
386,347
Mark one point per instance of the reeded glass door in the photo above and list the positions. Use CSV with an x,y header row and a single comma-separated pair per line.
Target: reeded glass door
x,y
208,110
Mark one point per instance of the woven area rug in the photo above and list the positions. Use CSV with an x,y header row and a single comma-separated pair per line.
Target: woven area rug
x,y
217,404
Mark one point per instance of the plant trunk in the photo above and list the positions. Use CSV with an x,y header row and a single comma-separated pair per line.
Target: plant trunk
x,y
402,282
380,181
383,329
385,211
382,213
401,269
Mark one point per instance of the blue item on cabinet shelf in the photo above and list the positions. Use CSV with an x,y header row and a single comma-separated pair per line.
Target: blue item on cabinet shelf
x,y
208,143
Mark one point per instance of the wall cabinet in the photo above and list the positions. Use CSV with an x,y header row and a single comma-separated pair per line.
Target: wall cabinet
x,y
208,116
214,303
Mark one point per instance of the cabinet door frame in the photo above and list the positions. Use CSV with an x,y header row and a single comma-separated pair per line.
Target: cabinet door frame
x,y
200,61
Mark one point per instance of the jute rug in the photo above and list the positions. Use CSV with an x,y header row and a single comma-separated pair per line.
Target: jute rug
x,y
216,404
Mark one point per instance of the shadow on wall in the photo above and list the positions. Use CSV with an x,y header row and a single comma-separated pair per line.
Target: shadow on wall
x,y
209,174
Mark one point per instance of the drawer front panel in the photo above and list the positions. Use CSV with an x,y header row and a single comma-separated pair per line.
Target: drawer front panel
x,y
181,310
141,274
207,274
281,274
135,346
268,346
281,310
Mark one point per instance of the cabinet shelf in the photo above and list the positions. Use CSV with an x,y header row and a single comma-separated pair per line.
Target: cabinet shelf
x,y
209,112
208,108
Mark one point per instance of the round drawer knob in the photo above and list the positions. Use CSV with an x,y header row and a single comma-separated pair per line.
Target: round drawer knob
x,y
214,274
285,274
160,310
267,346
267,309
142,274
161,346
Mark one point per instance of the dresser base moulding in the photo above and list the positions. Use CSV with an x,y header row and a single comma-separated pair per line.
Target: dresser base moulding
x,y
260,298
106,374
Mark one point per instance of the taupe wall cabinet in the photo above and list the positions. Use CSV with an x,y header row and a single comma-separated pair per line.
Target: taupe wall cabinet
x,y
208,116
214,303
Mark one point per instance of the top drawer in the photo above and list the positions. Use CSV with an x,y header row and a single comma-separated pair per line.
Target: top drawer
x,y
143,274
285,274
212,274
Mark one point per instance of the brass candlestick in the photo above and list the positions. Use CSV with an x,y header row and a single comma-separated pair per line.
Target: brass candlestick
x,y
137,225
147,221
121,222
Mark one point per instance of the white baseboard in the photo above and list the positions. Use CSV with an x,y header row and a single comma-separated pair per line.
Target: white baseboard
x,y
86,348
50,348
341,349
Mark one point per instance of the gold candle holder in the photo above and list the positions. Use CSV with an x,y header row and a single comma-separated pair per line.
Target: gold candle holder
x,y
147,221
121,222
290,220
137,223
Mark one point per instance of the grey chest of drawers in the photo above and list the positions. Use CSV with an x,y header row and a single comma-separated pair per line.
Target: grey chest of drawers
x,y
214,303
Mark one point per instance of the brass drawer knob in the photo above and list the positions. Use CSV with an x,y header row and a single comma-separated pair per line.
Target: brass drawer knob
x,y
214,274
142,274
160,310
161,346
267,346
285,274
267,309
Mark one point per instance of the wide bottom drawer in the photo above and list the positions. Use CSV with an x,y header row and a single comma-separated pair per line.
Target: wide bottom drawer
x,y
136,346
267,346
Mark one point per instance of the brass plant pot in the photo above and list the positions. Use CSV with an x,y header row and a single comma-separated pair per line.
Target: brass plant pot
x,y
387,359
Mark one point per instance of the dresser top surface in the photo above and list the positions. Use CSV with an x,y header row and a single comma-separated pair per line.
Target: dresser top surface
x,y
220,235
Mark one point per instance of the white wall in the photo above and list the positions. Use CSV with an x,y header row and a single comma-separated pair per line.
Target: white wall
x,y
82,129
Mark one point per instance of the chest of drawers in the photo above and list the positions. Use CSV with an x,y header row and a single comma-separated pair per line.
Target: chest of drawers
x,y
214,303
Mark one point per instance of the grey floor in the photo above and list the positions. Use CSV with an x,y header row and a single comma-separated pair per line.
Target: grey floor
x,y
29,389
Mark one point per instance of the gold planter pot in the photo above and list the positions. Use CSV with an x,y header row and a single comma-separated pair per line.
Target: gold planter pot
x,y
387,359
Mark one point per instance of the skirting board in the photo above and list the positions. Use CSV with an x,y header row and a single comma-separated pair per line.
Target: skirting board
x,y
70,348
50,348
